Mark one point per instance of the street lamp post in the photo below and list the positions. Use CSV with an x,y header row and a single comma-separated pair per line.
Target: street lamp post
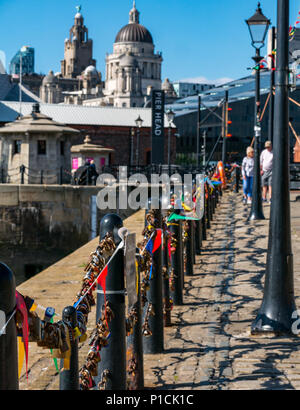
x,y
204,149
131,147
258,26
278,311
225,129
198,131
139,123
272,83
170,117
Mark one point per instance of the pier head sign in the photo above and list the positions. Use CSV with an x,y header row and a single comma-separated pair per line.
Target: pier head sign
x,y
158,129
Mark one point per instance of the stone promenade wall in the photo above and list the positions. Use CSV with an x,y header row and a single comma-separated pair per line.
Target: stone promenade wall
x,y
40,224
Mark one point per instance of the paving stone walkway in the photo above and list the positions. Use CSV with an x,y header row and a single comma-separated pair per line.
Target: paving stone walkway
x,y
209,345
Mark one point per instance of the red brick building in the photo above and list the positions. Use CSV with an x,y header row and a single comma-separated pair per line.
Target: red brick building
x,y
108,126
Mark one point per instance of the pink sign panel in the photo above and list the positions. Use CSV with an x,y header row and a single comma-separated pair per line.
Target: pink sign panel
x,y
102,162
89,159
75,163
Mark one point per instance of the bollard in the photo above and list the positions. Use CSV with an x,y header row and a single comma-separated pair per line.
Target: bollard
x,y
198,237
42,177
189,251
204,225
193,229
8,341
155,343
69,379
207,210
135,343
177,267
113,357
210,204
166,282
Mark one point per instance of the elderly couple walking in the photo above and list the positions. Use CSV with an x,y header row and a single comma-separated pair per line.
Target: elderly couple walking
x,y
266,163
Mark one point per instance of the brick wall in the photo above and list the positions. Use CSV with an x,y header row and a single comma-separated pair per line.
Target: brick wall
x,y
119,138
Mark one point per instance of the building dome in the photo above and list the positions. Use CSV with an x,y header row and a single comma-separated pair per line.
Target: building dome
x,y
134,32
91,70
50,78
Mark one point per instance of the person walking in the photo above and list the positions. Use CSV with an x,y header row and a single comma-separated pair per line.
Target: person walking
x,y
248,173
266,165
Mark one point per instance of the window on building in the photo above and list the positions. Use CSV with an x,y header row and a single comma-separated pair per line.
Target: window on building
x,y
41,146
17,147
62,147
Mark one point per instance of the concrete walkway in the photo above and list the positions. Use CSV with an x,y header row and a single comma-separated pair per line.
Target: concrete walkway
x,y
209,344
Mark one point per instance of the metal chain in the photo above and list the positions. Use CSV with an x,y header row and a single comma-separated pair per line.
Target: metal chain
x,y
98,339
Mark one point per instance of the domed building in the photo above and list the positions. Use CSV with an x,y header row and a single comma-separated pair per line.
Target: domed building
x,y
133,66
50,91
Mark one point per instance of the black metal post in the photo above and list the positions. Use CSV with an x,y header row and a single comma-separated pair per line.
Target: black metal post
x,y
42,177
204,222
189,268
113,357
256,212
204,149
198,131
69,379
278,305
155,343
135,341
22,171
198,237
8,341
225,127
207,209
272,83
169,148
131,148
177,262
138,147
166,283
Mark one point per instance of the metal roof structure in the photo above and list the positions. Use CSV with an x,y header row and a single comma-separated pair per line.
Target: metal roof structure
x,y
81,115
238,90
35,122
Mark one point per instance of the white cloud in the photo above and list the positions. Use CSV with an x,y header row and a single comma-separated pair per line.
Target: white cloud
x,y
204,80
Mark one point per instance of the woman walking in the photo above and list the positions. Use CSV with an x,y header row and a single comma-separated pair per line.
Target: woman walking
x,y
248,173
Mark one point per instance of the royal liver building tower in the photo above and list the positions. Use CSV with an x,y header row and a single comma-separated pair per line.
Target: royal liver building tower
x,y
133,68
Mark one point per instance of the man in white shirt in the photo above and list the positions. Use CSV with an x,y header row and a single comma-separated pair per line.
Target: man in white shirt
x,y
266,165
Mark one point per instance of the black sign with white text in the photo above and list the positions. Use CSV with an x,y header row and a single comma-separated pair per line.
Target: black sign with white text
x,y
158,108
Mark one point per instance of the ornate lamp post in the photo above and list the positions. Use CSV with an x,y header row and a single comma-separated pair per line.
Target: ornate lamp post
x,y
139,123
278,310
170,117
258,26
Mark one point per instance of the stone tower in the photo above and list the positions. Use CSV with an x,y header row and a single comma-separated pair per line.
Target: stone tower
x,y
78,49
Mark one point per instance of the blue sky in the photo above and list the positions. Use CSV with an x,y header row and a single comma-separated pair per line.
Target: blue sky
x,y
203,39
